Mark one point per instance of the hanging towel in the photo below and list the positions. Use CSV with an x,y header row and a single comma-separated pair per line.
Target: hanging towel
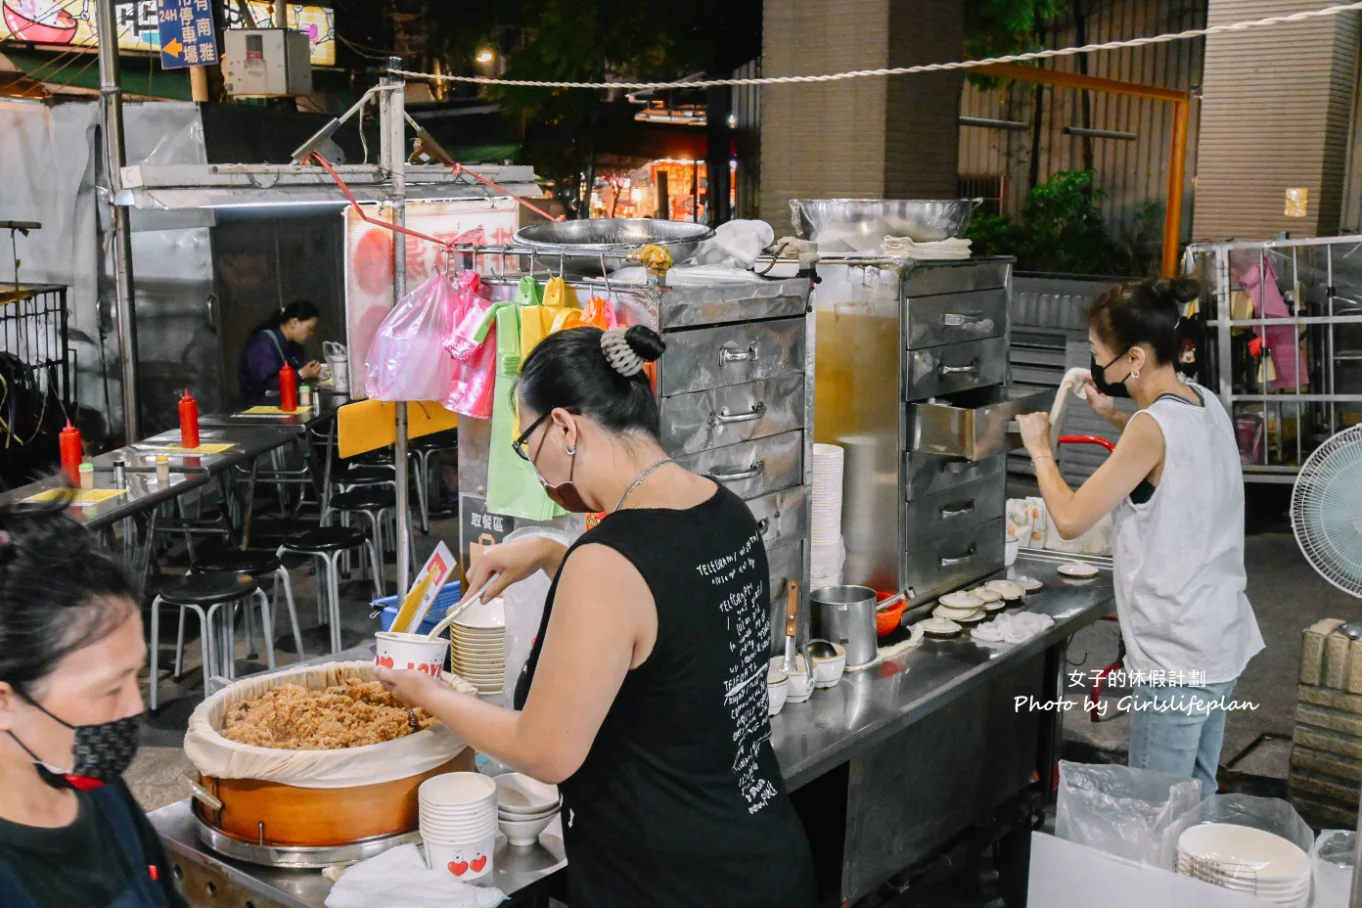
x,y
1283,346
513,486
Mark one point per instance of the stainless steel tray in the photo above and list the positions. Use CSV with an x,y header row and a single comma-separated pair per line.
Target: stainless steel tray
x,y
297,857
972,424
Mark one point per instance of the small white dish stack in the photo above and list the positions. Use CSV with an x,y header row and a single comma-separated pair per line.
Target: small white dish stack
x,y
1246,860
478,646
827,551
525,807
458,817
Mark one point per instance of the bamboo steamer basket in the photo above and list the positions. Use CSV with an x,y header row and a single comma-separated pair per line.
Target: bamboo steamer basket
x,y
273,813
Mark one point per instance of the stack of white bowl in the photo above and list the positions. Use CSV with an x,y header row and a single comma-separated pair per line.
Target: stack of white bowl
x,y
478,645
827,553
1246,860
525,807
459,823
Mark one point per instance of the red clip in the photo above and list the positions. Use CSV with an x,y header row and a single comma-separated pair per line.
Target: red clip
x,y
155,873
1255,346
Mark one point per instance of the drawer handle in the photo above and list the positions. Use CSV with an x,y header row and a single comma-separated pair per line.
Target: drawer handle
x,y
729,355
763,525
740,473
959,370
955,466
956,319
724,418
956,512
961,559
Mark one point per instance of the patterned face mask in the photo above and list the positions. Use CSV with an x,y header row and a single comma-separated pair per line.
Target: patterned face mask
x,y
101,752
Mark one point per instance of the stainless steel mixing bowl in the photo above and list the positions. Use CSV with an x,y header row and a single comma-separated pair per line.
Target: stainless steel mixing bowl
x,y
859,226
582,245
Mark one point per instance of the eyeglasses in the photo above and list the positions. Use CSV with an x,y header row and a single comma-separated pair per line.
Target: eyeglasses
x,y
519,444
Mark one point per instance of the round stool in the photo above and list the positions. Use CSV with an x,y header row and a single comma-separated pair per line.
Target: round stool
x,y
424,450
210,591
258,564
327,544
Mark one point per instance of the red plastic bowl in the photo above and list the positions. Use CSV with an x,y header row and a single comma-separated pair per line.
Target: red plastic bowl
x,y
887,621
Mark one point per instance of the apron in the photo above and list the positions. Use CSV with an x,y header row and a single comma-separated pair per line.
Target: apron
x,y
142,891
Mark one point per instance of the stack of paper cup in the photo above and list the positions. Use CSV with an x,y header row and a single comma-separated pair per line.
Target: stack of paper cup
x,y
459,823
825,531
479,640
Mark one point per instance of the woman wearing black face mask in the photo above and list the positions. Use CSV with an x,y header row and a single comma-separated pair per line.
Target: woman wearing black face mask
x,y
645,694
1176,489
71,835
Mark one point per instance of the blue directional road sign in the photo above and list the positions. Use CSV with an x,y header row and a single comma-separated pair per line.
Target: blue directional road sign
x,y
187,34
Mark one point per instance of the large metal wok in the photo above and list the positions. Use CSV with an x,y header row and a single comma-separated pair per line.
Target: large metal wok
x,y
584,247
859,226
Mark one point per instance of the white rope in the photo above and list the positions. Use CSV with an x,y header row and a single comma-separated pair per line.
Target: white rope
x,y
900,70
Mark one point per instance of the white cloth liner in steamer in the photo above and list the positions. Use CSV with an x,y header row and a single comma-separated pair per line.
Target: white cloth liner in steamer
x,y
411,755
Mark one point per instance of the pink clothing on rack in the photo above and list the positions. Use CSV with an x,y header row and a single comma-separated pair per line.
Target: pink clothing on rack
x,y
1286,350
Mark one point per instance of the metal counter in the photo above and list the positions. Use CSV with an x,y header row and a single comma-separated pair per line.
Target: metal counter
x,y
208,878
863,746
869,706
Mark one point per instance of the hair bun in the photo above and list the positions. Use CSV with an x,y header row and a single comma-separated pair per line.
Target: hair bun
x,y
645,342
1181,289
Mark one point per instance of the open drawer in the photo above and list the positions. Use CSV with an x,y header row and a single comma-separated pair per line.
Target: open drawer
x,y
972,424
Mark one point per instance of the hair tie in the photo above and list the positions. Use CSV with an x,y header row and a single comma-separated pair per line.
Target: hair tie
x,y
619,354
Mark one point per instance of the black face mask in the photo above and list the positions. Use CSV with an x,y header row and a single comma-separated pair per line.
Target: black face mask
x,y
101,752
1099,379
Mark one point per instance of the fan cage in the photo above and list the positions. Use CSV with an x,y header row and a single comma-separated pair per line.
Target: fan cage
x,y
1326,510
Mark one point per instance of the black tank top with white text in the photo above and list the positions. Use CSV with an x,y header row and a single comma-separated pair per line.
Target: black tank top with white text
x,y
680,801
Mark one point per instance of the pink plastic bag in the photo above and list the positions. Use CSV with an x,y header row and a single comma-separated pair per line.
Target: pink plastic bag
x,y
407,359
473,343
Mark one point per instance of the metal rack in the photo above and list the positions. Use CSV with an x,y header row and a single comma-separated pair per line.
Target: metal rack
x,y
1320,283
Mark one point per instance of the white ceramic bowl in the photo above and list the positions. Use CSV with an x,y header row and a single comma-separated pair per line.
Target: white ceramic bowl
x,y
525,832
801,686
519,794
1010,549
827,671
483,616
777,689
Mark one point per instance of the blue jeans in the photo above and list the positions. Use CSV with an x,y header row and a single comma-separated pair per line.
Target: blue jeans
x,y
1179,730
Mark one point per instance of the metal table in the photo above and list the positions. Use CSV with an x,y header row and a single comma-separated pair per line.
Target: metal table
x,y
143,491
886,722
297,422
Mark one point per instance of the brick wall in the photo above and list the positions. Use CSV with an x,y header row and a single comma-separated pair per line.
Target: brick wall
x,y
1326,749
860,138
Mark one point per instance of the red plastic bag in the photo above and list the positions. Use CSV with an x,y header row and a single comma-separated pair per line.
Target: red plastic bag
x,y
407,359
473,344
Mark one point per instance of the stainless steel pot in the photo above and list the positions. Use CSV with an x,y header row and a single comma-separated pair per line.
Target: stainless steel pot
x,y
587,246
846,614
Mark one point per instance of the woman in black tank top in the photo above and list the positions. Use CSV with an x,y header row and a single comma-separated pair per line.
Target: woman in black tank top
x,y
645,694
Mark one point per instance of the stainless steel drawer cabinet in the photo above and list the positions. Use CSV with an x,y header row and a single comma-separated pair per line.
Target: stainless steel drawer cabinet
x,y
753,468
781,516
952,318
925,474
729,414
945,369
953,510
704,358
951,562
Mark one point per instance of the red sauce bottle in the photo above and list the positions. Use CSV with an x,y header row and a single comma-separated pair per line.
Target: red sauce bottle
x,y
72,452
288,389
189,421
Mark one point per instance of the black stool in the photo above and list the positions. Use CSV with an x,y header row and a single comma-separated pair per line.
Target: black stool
x,y
258,564
424,450
328,544
211,591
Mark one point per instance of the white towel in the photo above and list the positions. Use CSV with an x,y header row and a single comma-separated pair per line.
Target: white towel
x,y
938,251
399,876
1013,627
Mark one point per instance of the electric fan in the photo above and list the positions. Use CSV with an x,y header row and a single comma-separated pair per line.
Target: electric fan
x,y
1326,510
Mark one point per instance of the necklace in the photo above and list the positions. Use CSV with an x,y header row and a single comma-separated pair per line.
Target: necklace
x,y
638,480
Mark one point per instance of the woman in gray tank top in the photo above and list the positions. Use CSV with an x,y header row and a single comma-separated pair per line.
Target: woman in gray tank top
x,y
1175,488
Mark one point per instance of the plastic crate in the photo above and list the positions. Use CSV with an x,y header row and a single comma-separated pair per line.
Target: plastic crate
x,y
449,596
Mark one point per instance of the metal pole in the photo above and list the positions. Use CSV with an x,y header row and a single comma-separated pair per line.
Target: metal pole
x,y
393,108
111,122
1355,900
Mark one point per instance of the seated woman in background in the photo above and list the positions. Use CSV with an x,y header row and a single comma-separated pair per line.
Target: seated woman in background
x,y
71,648
275,341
